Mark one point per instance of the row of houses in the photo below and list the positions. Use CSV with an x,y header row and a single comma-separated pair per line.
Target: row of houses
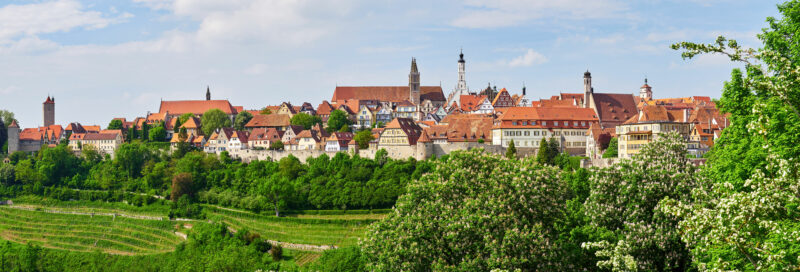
x,y
400,117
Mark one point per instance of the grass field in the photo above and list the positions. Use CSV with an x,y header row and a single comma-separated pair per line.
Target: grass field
x,y
88,233
338,230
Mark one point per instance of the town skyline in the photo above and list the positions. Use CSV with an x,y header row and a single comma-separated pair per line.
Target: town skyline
x,y
167,58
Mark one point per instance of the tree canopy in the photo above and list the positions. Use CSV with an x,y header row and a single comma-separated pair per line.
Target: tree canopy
x,y
306,120
241,119
214,119
338,120
115,124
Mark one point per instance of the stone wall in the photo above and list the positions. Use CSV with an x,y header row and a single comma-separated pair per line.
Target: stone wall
x,y
420,151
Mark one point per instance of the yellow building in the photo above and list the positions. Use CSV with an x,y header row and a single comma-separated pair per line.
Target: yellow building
x,y
646,126
365,117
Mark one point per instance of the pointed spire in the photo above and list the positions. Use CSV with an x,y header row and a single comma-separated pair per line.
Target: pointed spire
x,y
208,92
461,55
414,65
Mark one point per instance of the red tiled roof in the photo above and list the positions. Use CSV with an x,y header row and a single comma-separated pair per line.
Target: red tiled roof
x,y
411,129
324,108
269,120
654,114
100,136
471,102
614,109
386,93
469,128
13,124
197,107
191,123
30,134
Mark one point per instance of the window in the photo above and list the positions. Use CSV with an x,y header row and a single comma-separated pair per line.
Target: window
x,y
514,123
575,123
524,123
527,133
556,123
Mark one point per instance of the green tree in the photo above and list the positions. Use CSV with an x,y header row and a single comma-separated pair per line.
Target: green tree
x,y
624,199
6,117
613,149
214,119
265,111
277,189
337,120
115,124
363,138
553,150
181,185
306,120
746,217
130,157
241,119
481,222
511,150
276,145
158,134
543,153
185,117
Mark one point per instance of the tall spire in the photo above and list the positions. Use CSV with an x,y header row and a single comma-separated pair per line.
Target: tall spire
x,y
208,92
414,65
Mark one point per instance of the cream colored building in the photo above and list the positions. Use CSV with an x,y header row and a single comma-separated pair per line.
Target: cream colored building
x,y
652,121
527,126
105,143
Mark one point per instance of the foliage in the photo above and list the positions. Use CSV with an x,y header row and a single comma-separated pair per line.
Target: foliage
x,y
363,138
158,134
624,199
511,150
341,259
115,124
214,119
276,145
612,151
276,251
181,185
543,155
337,120
745,216
265,111
241,119
306,120
185,117
474,212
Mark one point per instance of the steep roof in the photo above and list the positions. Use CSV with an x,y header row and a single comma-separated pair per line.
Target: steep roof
x,y
470,128
423,138
192,122
13,124
654,114
31,134
411,129
197,107
324,108
341,137
614,108
386,93
471,102
269,120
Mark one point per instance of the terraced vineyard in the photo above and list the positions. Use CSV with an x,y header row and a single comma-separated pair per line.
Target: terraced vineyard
x,y
338,232
115,235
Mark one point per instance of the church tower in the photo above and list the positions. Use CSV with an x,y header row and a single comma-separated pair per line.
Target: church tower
x,y
587,89
413,83
462,77
208,93
646,92
49,110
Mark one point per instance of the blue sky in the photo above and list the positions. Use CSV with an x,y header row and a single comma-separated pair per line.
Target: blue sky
x,y
104,59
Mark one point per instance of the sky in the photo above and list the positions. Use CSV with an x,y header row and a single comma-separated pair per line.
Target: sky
x,y
106,59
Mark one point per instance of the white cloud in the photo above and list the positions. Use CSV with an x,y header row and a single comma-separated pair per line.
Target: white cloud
x,y
503,13
49,17
255,69
528,59
389,49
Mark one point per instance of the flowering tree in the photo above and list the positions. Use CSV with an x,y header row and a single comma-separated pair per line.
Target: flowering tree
x,y
624,199
474,212
745,217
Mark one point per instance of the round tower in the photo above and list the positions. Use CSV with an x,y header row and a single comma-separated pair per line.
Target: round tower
x,y
13,137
